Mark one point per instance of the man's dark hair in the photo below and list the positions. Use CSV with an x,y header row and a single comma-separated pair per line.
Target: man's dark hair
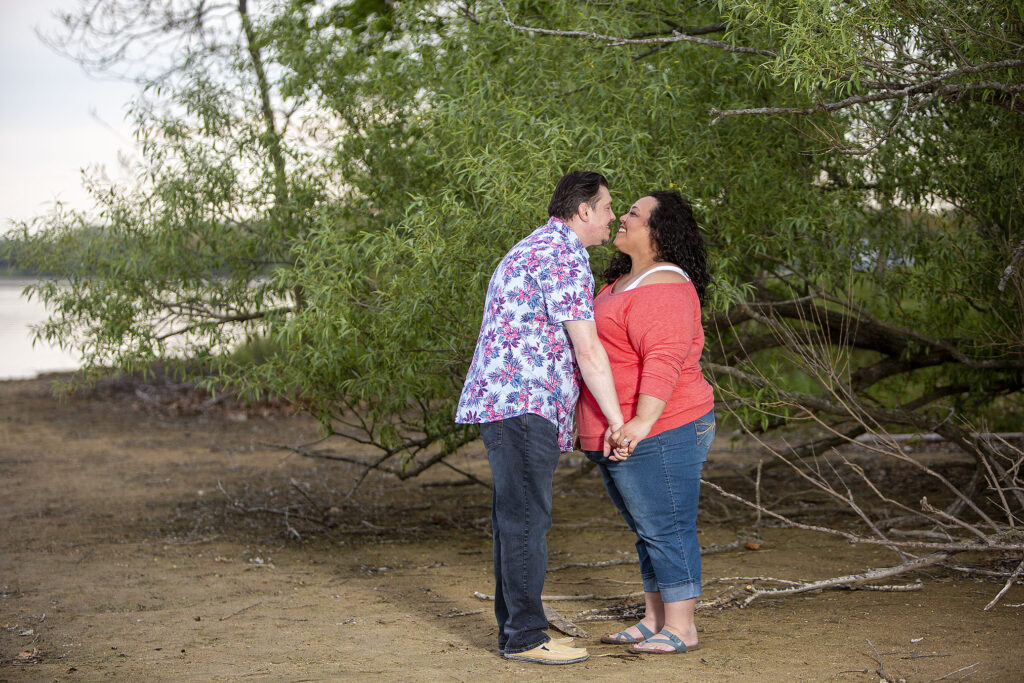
x,y
573,189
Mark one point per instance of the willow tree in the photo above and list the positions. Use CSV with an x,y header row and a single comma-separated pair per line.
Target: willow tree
x,y
194,255
852,178
856,168
341,177
451,141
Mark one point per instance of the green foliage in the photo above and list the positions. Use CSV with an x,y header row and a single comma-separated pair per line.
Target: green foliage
x,y
427,138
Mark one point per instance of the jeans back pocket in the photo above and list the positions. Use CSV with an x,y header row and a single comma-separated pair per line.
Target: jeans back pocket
x,y
705,430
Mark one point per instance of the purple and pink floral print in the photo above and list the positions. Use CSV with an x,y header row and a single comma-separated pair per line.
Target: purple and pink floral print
x,y
523,361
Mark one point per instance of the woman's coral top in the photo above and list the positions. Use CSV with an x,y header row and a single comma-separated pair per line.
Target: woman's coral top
x,y
654,339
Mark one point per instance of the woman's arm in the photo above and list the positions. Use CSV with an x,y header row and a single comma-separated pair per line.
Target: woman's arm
x,y
648,410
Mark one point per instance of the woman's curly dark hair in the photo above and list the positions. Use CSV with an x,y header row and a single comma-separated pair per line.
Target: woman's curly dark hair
x,y
676,238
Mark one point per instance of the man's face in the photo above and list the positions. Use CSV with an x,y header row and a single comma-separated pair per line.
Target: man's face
x,y
597,218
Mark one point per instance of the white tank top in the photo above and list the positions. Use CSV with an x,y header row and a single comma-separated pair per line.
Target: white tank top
x,y
674,269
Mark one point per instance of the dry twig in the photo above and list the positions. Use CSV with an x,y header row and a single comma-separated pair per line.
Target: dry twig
x,y
952,673
241,611
1013,577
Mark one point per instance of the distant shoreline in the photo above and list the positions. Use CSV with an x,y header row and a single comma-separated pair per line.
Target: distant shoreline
x,y
20,358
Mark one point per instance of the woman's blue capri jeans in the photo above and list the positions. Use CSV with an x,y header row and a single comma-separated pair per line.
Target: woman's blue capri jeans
x,y
656,489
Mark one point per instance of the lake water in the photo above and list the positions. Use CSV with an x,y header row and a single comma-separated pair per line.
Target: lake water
x,y
19,358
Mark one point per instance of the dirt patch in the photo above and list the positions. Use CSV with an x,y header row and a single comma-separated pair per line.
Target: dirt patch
x,y
138,543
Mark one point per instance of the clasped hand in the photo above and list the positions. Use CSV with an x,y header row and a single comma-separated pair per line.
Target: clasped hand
x,y
621,441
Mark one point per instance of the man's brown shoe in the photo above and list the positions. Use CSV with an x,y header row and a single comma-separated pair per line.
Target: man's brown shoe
x,y
550,653
567,641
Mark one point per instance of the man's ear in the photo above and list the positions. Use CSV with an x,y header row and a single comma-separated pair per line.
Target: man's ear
x,y
583,211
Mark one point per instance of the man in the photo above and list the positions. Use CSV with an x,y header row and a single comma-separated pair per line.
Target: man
x,y
538,328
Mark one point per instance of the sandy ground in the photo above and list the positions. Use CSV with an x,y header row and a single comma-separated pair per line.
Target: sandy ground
x,y
136,544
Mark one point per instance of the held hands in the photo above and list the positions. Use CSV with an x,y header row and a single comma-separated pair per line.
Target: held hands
x,y
625,439
610,440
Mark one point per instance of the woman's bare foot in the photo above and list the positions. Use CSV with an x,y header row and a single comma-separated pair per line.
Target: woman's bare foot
x,y
635,635
688,638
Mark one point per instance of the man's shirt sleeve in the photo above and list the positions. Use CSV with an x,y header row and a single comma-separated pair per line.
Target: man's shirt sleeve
x,y
567,285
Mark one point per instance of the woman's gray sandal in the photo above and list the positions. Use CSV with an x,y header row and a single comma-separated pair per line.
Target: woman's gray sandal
x,y
623,638
665,638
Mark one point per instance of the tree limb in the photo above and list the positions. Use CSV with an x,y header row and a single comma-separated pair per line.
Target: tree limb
x,y
935,85
223,319
1013,577
1014,260
675,37
854,538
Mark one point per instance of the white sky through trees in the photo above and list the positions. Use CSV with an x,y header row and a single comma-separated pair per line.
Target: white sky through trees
x,y
55,119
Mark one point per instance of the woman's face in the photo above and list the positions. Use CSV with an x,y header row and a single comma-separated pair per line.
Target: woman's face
x,y
634,235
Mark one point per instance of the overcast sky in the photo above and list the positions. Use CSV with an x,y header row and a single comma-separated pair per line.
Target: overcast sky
x,y
55,120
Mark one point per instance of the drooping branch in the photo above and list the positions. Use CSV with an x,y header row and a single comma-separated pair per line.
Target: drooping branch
x,y
928,87
403,471
895,77
224,320
676,36
877,414
860,330
120,38
843,400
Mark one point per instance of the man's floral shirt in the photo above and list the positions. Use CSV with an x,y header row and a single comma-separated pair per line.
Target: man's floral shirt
x,y
524,361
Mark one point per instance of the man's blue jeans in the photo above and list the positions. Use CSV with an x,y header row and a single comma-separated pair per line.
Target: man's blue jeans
x,y
657,490
523,452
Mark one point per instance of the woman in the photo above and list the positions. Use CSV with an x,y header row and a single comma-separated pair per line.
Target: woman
x,y
649,320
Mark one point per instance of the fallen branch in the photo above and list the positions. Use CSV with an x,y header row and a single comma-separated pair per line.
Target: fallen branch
x,y
881,665
559,622
733,579
564,598
285,512
742,539
1013,577
603,617
854,580
555,619
854,538
458,613
603,563
951,673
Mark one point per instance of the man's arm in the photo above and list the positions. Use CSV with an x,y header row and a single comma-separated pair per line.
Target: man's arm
x,y
596,371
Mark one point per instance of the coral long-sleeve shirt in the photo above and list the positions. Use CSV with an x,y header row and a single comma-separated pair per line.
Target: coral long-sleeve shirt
x,y
654,340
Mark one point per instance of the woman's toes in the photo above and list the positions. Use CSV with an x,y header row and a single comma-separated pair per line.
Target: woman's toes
x,y
653,647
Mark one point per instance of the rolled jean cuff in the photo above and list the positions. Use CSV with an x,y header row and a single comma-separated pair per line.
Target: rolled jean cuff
x,y
678,593
650,583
